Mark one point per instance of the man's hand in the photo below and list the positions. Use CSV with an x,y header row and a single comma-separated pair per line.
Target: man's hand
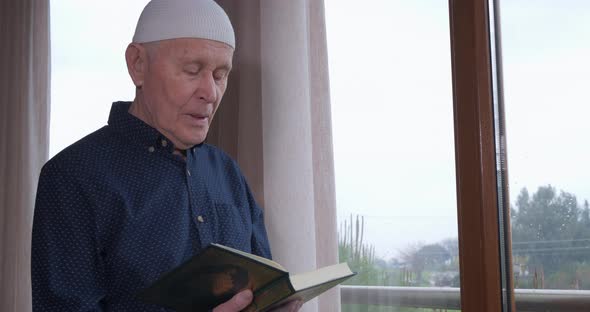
x,y
237,303
242,299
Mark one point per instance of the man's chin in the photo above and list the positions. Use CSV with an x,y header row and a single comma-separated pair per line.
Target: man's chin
x,y
189,138
195,141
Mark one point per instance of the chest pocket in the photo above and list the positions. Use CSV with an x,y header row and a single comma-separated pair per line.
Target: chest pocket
x,y
233,226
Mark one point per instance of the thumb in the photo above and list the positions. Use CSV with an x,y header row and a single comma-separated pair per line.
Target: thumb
x,y
237,303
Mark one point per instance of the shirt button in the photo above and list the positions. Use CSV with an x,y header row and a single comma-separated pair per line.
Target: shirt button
x,y
151,149
200,219
164,143
188,172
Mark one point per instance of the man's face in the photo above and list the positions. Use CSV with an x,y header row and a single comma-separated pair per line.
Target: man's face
x,y
184,82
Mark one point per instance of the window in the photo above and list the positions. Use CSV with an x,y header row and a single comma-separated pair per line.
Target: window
x,y
392,115
88,68
545,128
546,80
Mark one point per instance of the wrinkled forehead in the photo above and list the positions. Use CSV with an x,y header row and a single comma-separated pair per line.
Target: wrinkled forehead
x,y
193,50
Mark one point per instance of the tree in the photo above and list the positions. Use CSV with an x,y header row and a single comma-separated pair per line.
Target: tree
x,y
434,256
409,256
359,255
582,237
452,246
545,227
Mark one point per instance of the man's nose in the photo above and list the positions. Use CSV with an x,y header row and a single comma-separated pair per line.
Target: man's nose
x,y
207,89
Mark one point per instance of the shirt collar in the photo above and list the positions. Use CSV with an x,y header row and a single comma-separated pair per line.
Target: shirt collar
x,y
135,130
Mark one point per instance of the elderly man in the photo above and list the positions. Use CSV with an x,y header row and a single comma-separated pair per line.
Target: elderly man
x,y
141,195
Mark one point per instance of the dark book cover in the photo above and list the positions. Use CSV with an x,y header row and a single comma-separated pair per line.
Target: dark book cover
x,y
218,273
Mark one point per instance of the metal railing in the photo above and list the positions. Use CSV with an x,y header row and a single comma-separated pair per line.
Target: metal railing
x,y
529,300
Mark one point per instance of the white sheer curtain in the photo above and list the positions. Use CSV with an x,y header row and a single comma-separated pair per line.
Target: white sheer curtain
x,y
275,120
24,134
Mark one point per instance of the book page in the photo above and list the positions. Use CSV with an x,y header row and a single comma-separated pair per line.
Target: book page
x,y
254,257
310,292
325,274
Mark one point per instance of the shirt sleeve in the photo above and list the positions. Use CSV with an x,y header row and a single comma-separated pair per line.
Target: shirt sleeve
x,y
66,266
260,244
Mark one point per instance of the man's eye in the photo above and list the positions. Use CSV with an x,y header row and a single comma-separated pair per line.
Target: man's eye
x,y
191,70
219,76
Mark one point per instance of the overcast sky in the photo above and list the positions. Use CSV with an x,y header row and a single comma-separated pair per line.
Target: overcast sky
x,y
391,96
392,110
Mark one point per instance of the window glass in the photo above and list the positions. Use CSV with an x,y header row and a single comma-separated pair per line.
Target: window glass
x,y
392,115
88,70
545,53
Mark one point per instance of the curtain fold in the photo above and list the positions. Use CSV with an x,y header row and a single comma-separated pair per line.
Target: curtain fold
x,y
24,136
275,121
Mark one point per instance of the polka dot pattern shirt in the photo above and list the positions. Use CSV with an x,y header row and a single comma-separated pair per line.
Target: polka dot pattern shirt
x,y
117,209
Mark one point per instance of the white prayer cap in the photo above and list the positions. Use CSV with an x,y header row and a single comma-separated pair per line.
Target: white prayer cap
x,y
172,19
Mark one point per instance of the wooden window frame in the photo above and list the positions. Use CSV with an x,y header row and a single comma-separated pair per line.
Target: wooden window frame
x,y
475,156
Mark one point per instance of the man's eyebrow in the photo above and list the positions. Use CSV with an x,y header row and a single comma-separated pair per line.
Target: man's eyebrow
x,y
190,61
226,67
198,62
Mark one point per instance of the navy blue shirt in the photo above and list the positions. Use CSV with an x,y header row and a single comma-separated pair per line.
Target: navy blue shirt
x,y
117,209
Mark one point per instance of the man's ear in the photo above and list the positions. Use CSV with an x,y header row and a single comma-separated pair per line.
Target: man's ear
x,y
137,62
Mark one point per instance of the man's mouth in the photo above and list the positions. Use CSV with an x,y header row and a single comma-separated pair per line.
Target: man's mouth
x,y
199,116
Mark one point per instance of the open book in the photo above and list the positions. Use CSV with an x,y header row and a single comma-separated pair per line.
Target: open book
x,y
217,273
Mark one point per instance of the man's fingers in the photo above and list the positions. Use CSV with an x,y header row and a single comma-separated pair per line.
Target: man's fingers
x,y
237,303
